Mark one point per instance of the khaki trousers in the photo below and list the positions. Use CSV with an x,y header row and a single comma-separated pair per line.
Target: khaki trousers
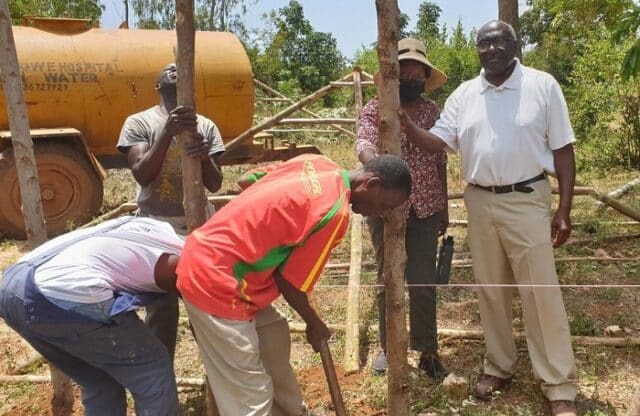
x,y
510,241
247,363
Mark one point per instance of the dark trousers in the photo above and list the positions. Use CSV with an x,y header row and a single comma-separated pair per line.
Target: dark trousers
x,y
103,359
421,244
162,318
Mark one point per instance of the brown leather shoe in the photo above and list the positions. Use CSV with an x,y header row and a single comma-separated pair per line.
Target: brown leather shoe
x,y
563,408
488,385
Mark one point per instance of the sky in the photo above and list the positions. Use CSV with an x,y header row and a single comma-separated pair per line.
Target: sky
x,y
352,22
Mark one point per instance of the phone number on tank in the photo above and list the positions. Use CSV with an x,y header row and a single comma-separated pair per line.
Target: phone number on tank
x,y
36,86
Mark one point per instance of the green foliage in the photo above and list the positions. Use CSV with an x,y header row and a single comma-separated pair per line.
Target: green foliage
x,y
78,9
558,31
582,324
291,54
605,111
220,15
629,27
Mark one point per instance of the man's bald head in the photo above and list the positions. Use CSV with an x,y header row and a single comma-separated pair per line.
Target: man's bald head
x,y
498,25
496,44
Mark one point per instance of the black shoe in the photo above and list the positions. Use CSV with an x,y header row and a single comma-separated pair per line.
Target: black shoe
x,y
430,364
380,363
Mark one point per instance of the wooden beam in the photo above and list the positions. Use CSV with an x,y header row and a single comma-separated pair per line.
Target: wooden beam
x,y
394,222
270,90
298,121
618,192
297,327
350,84
28,181
352,336
282,114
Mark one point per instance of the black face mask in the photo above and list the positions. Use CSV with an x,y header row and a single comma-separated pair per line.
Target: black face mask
x,y
411,89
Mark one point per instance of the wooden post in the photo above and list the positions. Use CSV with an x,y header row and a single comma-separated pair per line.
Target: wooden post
x,y
352,335
280,96
508,12
62,403
194,197
394,223
274,120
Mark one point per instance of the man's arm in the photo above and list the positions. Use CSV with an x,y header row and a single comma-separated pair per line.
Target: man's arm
x,y
565,165
165,272
145,161
423,139
317,331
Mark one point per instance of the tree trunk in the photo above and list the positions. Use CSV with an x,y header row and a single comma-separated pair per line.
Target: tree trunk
x,y
508,12
27,174
394,223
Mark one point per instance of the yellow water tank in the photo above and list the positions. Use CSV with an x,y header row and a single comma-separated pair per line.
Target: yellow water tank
x,y
92,79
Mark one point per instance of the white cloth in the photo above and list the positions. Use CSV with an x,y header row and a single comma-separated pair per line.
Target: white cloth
x,y
506,134
121,259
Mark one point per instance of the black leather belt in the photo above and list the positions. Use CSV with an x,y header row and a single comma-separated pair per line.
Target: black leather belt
x,y
517,187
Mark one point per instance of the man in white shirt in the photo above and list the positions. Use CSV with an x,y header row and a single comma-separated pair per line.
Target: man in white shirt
x,y
511,124
74,299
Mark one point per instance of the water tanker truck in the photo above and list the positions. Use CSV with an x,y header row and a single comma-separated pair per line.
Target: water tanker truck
x,y
81,83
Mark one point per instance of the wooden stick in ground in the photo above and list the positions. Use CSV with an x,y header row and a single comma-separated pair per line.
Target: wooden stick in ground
x,y
28,181
282,114
194,197
332,379
394,222
352,335
281,96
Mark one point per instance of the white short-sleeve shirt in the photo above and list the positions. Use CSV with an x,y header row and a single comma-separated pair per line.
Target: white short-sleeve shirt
x,y
506,134
121,259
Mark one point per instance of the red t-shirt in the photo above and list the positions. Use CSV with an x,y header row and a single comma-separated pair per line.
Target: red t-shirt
x,y
290,221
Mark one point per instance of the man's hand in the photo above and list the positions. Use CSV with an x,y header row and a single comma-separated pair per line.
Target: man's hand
x,y
199,147
406,124
317,332
180,119
560,228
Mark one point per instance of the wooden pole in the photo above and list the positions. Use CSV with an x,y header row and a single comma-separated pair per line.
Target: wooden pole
x,y
352,336
298,121
270,90
194,197
617,193
508,12
394,223
332,379
62,403
282,114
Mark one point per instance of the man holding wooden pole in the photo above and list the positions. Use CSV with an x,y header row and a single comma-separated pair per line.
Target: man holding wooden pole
x,y
149,139
274,238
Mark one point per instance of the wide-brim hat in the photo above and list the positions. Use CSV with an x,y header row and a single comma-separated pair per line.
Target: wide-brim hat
x,y
414,50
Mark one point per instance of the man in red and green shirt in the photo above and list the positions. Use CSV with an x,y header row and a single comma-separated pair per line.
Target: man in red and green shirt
x,y
273,239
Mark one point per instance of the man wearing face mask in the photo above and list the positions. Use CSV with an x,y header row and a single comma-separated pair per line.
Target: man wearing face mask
x,y
427,214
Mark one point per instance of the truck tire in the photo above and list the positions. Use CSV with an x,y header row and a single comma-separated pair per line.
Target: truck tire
x,y
70,188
